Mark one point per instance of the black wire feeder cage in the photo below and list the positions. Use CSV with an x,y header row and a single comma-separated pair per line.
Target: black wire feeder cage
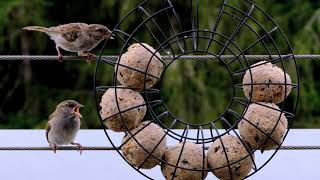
x,y
179,35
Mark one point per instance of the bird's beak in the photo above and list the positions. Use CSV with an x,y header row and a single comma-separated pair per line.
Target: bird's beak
x,y
77,110
112,36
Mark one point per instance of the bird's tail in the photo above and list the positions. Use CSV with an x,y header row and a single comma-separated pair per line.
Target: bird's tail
x,y
36,28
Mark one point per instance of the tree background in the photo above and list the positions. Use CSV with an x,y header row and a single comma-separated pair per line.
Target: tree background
x,y
29,91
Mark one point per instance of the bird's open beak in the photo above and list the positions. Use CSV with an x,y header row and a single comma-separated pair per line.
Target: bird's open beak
x,y
108,34
77,110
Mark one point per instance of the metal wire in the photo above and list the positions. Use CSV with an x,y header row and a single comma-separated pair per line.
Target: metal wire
x,y
64,148
106,148
114,58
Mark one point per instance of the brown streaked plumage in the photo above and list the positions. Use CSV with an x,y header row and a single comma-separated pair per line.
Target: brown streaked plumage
x,y
63,124
75,37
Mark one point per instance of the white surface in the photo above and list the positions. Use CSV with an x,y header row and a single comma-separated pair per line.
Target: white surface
x,y
92,165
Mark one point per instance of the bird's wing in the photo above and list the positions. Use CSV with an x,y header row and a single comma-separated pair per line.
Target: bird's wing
x,y
47,131
69,32
51,116
48,127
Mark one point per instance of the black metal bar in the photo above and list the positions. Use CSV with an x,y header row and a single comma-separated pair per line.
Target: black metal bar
x,y
178,22
255,32
241,100
216,23
203,154
149,91
129,67
279,59
198,133
158,27
237,30
224,149
162,138
243,143
136,40
255,43
172,24
180,154
132,135
240,86
197,22
268,136
128,109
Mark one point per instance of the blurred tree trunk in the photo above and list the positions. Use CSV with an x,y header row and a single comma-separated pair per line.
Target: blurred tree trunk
x,y
26,70
25,50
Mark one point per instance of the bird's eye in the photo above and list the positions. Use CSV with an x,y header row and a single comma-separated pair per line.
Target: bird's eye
x,y
101,30
71,105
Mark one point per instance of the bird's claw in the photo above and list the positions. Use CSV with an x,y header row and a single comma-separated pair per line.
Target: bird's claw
x,y
90,57
60,58
80,148
54,147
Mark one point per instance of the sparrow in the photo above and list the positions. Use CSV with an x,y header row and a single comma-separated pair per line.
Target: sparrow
x,y
75,37
63,125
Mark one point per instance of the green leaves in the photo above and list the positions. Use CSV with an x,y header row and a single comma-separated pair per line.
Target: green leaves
x,y
188,84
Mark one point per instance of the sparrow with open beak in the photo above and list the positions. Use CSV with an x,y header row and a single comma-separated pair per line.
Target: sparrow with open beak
x,y
63,125
75,37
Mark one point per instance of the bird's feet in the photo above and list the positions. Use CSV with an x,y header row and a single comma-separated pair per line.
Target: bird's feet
x,y
54,147
80,148
60,57
88,55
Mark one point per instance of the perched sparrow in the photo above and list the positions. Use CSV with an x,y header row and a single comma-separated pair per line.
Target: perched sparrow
x,y
64,124
75,37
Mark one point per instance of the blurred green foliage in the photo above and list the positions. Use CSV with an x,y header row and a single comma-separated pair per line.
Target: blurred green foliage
x,y
29,91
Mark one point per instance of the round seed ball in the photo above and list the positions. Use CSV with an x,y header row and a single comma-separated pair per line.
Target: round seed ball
x,y
126,99
235,151
266,119
138,57
149,138
191,158
263,76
